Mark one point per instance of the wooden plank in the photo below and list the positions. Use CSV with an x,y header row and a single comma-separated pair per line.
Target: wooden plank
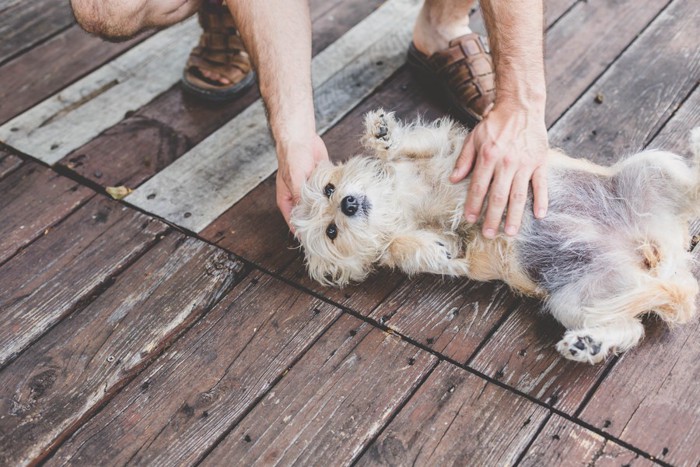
x,y
451,316
45,282
585,41
8,163
197,188
639,91
49,67
177,409
332,403
25,24
174,122
555,9
34,199
64,377
80,112
457,418
562,442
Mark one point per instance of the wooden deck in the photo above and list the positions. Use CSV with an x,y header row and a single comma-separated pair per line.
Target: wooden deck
x,y
177,326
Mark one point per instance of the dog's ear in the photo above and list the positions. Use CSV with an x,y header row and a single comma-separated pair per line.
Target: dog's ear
x,y
338,273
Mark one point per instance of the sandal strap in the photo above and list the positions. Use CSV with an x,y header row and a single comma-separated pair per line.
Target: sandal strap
x,y
220,42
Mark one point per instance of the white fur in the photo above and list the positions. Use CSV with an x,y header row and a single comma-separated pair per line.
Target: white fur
x,y
612,247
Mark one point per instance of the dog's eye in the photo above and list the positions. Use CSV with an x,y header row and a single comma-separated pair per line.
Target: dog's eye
x,y
329,190
332,231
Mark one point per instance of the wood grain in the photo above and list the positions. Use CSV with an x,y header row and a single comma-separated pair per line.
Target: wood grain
x,y
176,409
64,377
49,67
34,198
46,281
25,24
456,418
451,316
198,187
564,443
174,122
332,403
8,163
636,100
78,113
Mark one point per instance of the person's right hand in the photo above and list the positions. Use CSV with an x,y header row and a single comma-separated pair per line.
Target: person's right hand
x,y
296,160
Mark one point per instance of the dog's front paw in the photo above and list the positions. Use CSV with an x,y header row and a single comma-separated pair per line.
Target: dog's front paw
x,y
379,126
581,347
445,251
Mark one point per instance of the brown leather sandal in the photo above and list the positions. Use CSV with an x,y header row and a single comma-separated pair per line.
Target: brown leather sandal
x,y
464,72
221,51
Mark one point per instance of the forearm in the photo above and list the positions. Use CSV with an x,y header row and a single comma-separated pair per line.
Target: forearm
x,y
277,35
516,37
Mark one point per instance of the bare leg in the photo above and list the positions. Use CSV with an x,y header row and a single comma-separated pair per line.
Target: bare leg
x,y
440,21
122,19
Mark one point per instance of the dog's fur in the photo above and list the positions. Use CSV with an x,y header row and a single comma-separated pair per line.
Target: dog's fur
x,y
613,246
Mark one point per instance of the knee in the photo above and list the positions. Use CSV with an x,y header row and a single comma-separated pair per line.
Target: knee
x,y
109,20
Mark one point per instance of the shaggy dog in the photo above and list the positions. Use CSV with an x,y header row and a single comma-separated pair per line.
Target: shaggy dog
x,y
613,246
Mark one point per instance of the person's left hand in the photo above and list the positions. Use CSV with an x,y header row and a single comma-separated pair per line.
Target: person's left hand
x,y
504,152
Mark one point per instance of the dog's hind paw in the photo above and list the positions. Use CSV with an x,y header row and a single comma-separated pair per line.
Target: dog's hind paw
x,y
580,347
379,126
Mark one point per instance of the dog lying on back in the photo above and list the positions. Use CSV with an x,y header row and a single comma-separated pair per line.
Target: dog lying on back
x,y
613,246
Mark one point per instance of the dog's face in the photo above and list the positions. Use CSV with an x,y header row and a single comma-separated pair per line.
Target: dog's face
x,y
343,219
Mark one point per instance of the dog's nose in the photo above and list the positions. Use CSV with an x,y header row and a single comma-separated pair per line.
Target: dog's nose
x,y
349,205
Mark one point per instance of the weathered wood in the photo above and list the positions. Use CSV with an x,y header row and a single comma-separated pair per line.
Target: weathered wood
x,y
64,377
636,101
80,112
456,418
521,354
44,283
451,316
34,198
51,66
174,122
8,163
651,398
198,187
177,409
25,24
554,9
332,403
586,40
562,442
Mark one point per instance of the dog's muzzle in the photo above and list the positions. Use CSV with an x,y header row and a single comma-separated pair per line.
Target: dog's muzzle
x,y
349,205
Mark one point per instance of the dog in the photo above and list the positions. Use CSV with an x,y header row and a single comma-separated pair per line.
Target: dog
x,y
613,246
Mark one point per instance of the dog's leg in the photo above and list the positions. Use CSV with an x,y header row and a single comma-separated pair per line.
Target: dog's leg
x,y
379,129
593,344
425,251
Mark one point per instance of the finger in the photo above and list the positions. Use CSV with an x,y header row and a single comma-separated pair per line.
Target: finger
x,y
465,160
285,203
539,190
498,200
516,203
478,188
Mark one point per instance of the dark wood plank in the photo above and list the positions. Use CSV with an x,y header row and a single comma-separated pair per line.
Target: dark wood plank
x,y
8,163
336,399
457,418
451,316
25,24
34,198
639,92
64,377
562,442
584,43
174,122
521,354
46,281
176,409
49,67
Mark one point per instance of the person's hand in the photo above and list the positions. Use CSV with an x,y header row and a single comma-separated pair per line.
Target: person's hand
x,y
506,151
296,162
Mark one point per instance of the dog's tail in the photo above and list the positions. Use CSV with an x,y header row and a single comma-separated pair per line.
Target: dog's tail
x,y
672,301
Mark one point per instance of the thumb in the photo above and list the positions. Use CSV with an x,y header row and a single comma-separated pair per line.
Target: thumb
x,y
465,161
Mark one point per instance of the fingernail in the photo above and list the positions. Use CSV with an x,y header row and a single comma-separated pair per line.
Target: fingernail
x,y
471,218
489,233
541,213
511,230
454,173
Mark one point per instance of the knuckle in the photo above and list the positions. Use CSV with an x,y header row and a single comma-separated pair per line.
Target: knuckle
x,y
498,199
517,197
